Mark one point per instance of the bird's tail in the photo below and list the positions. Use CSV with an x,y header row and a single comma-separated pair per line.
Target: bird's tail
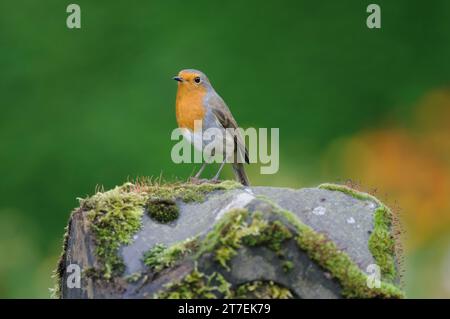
x,y
239,172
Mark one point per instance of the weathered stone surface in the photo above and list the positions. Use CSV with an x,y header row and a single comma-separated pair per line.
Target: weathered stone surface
x,y
345,220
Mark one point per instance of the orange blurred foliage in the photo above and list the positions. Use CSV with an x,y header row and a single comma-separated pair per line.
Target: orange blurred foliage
x,y
410,164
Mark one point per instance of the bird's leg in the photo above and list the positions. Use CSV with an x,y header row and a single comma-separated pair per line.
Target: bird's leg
x,y
200,171
216,177
196,179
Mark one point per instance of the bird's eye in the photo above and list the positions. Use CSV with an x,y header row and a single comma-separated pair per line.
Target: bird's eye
x,y
197,79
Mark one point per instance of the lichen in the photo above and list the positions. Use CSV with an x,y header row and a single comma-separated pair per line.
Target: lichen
x,y
262,290
381,241
161,256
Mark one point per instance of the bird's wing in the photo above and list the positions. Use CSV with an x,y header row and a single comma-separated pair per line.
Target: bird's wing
x,y
221,111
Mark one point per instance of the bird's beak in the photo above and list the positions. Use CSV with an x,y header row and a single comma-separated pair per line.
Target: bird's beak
x,y
177,78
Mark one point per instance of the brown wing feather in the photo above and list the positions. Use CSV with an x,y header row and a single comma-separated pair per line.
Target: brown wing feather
x,y
226,119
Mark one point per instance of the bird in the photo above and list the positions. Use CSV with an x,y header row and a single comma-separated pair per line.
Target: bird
x,y
196,99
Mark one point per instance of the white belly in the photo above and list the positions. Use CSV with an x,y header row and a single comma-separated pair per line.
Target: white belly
x,y
220,144
190,136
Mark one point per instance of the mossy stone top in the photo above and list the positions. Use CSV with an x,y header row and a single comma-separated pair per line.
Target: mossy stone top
x,y
224,241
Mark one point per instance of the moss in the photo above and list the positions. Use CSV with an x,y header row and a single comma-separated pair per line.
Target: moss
x,y
161,205
350,191
262,290
382,244
271,235
238,228
93,273
115,216
161,257
288,265
325,252
195,285
225,238
223,286
327,255
381,241
152,258
133,278
352,279
162,210
198,285
57,275
187,192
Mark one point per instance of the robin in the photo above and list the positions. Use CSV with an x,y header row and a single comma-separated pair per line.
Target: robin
x,y
198,101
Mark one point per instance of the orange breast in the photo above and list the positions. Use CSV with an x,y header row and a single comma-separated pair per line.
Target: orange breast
x,y
189,106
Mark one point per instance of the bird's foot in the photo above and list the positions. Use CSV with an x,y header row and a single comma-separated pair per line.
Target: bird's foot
x,y
195,180
214,181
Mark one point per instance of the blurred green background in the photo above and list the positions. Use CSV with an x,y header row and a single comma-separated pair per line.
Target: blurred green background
x,y
95,106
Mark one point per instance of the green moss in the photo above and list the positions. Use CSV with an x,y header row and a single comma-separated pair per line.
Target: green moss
x,y
352,279
133,278
114,217
57,275
161,257
153,257
195,285
223,286
225,237
93,273
271,235
187,192
161,205
325,252
239,228
381,242
350,191
262,290
162,210
288,265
